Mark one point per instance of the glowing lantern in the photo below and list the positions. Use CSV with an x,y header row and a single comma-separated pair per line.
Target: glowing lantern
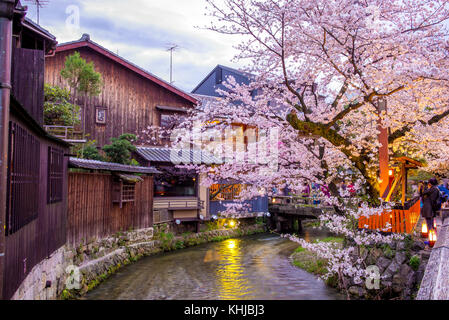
x,y
434,224
424,230
232,223
432,237
390,172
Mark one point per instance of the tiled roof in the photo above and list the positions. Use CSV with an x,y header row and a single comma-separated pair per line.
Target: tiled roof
x,y
108,166
160,154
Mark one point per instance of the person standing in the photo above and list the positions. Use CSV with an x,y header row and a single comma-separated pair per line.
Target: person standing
x,y
429,195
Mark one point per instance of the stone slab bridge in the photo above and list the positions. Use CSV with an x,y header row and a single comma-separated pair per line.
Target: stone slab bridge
x,y
285,210
435,283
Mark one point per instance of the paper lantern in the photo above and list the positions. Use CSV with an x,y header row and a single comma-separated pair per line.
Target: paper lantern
x,y
424,230
432,238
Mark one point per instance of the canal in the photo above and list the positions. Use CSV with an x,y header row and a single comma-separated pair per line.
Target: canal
x,y
253,267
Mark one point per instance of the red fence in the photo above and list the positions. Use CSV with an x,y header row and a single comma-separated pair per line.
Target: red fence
x,y
401,221
92,213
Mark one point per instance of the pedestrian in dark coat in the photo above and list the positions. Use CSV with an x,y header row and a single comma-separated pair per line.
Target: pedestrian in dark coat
x,y
429,195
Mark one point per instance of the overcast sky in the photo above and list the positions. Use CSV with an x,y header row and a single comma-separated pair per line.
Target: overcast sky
x,y
139,30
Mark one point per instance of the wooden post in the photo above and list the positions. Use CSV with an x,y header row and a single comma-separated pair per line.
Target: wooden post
x,y
383,150
299,225
6,16
404,182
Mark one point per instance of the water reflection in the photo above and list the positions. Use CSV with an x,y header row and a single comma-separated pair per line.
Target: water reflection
x,y
255,267
232,281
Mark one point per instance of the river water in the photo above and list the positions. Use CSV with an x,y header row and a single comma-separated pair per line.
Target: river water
x,y
252,267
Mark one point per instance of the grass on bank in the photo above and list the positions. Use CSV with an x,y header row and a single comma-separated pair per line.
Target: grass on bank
x,y
309,261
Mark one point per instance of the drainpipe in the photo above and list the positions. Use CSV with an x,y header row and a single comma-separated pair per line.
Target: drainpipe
x,y
6,15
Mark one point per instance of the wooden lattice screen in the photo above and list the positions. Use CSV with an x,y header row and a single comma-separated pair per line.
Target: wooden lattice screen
x,y
23,178
55,174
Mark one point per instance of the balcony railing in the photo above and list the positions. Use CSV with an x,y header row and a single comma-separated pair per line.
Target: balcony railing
x,y
178,203
67,133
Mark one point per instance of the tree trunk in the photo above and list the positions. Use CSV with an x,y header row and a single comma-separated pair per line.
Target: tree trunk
x,y
332,136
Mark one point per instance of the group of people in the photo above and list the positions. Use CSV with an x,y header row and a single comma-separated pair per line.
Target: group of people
x,y
432,199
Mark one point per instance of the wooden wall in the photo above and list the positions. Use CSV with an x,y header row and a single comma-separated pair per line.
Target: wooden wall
x,y
129,98
38,239
27,81
91,212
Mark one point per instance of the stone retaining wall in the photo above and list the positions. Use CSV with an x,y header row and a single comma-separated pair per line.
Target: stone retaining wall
x,y
401,266
35,286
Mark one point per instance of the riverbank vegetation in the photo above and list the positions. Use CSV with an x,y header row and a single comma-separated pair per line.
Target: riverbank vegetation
x,y
398,265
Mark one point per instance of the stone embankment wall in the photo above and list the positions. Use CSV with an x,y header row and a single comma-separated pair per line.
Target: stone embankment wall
x,y
96,260
401,266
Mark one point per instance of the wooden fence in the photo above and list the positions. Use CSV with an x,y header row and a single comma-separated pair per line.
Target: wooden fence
x,y
92,214
401,221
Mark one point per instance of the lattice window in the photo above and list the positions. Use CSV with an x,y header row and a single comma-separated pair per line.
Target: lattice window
x,y
123,191
23,178
128,192
55,174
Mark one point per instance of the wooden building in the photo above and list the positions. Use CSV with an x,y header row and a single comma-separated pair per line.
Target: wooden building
x,y
36,189
179,198
206,92
131,98
105,198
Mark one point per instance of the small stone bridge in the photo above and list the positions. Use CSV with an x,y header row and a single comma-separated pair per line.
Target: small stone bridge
x,y
285,210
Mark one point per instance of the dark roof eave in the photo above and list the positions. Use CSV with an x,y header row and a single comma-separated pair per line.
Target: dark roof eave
x,y
174,109
17,108
109,166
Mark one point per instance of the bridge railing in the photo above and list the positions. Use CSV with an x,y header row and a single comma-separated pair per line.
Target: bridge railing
x,y
312,201
399,221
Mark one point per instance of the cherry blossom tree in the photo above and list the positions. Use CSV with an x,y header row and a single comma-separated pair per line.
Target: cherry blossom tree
x,y
321,67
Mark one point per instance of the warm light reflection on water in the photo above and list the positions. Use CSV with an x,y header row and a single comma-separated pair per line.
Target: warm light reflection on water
x,y
232,282
255,267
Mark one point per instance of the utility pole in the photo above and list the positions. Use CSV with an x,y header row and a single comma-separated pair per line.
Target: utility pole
x,y
6,16
39,4
171,48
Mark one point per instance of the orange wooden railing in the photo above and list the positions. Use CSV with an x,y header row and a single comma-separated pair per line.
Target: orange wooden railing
x,y
401,221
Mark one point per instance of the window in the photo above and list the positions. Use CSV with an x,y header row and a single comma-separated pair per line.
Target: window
x,y
175,182
23,178
170,121
55,174
101,115
123,191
